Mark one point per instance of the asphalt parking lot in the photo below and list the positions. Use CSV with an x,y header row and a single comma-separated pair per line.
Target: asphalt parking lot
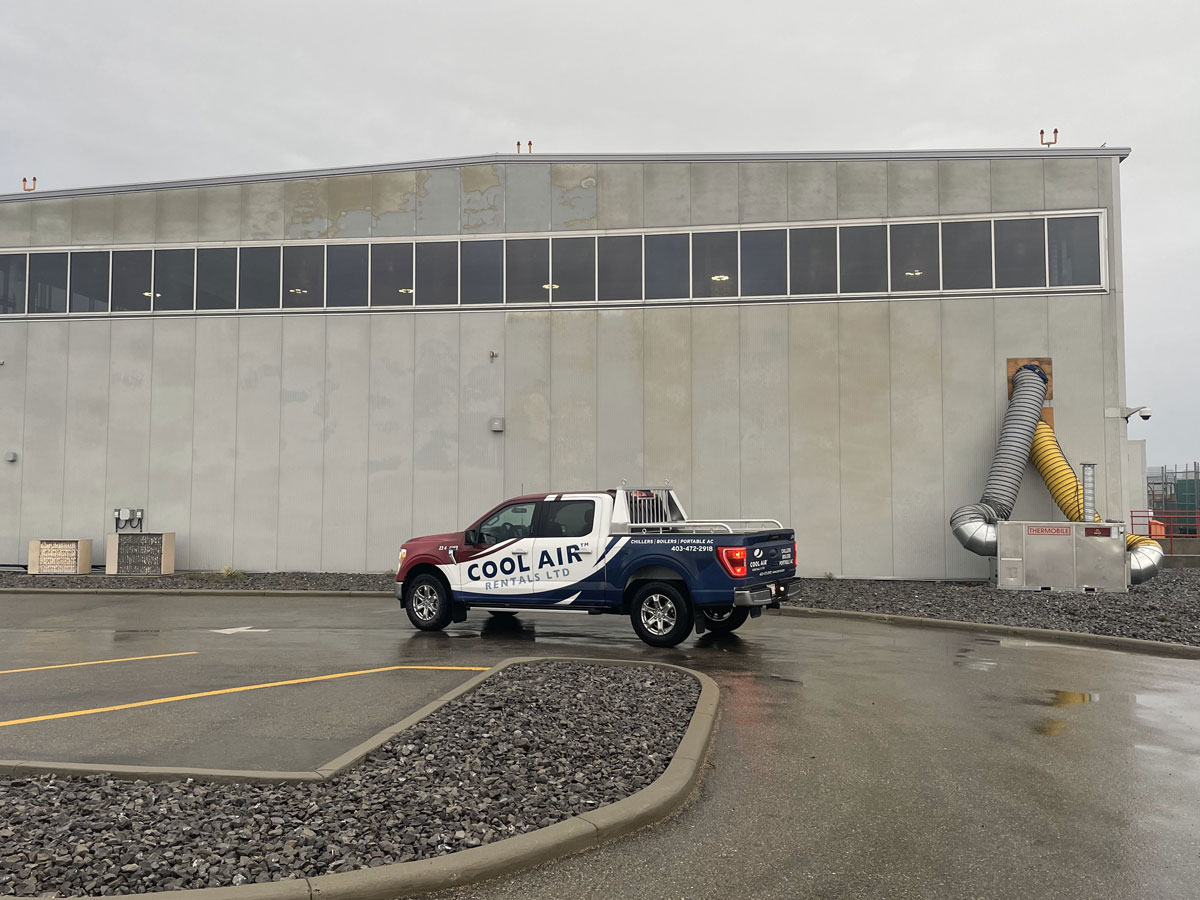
x,y
851,760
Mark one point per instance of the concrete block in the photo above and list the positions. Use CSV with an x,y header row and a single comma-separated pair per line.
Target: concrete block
x,y
439,198
306,208
394,204
912,186
526,197
763,191
1072,183
812,190
16,220
349,205
573,196
220,211
714,193
51,225
667,194
964,186
862,189
262,211
134,218
1017,185
619,188
482,201
178,215
92,219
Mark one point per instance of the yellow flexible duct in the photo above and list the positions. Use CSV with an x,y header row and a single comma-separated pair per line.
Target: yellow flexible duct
x,y
1067,491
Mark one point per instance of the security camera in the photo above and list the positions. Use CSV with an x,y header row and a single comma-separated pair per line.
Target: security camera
x,y
1145,412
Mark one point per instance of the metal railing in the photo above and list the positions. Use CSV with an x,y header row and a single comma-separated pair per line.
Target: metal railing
x,y
1166,526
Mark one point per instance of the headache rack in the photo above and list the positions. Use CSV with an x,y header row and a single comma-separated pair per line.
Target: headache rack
x,y
658,511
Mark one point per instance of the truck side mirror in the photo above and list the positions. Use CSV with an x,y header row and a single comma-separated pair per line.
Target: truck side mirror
x,y
471,538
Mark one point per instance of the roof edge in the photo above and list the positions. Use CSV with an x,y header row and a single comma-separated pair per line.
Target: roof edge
x,y
491,159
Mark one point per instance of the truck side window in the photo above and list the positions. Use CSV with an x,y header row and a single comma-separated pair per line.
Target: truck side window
x,y
567,518
511,523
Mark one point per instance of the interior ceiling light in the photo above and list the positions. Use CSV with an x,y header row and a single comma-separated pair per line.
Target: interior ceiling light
x,y
297,290
150,294
550,287
914,273
404,291
720,278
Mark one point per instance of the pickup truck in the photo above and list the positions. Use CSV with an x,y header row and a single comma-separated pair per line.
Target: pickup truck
x,y
626,551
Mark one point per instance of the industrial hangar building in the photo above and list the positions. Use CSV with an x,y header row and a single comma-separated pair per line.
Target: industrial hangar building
x,y
299,371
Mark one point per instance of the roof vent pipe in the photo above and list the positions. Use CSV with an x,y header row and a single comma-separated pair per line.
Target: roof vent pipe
x,y
1089,491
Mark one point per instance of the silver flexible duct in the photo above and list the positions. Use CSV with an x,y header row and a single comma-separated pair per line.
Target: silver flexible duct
x,y
1145,559
974,525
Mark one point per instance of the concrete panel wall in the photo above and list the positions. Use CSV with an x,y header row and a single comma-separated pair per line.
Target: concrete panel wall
x,y
763,192
85,472
346,431
864,376
439,199
92,219
134,217
178,217
527,403
301,441
16,219
814,426
716,413
620,439
862,189
573,196
393,204
256,462
129,403
812,191
527,197
667,194
14,337
480,398
482,209
912,186
573,401
435,424
306,208
964,186
619,188
390,439
220,212
172,387
51,222
714,193
43,453
214,443
919,512
764,411
350,206
667,398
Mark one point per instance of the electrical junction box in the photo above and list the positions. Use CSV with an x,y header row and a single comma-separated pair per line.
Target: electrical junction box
x,y
1060,556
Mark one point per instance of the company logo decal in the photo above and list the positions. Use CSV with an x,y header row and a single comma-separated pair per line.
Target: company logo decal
x,y
1048,529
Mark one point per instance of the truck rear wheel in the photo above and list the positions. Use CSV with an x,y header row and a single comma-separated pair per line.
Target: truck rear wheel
x,y
661,615
428,604
723,621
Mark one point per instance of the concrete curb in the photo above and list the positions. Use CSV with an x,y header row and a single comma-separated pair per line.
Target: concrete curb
x,y
523,851
1078,638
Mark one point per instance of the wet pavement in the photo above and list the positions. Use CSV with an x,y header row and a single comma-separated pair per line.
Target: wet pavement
x,y
851,759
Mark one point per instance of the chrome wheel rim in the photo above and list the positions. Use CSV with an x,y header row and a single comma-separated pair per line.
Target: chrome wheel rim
x,y
658,615
425,602
718,615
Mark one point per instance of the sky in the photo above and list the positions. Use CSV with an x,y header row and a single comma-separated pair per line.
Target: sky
x,y
125,91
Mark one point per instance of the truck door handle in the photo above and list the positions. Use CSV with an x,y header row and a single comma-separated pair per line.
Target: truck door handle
x,y
517,552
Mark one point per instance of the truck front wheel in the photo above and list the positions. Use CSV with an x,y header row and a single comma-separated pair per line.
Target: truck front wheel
x,y
661,615
428,604
723,621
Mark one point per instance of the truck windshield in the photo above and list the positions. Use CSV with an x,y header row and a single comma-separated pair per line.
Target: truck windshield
x,y
511,523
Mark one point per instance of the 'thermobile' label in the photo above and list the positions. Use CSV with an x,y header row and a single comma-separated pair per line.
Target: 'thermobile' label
x,y
1048,529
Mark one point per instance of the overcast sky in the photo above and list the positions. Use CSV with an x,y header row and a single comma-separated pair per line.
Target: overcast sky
x,y
142,90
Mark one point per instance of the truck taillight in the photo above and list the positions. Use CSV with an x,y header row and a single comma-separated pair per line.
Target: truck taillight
x,y
734,560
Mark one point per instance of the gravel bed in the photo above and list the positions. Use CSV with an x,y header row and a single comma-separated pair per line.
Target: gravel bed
x,y
1165,608
208,581
534,745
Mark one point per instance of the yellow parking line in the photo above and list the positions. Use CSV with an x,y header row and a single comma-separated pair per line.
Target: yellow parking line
x,y
234,690
97,662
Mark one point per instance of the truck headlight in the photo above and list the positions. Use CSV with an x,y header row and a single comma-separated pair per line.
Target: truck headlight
x,y
400,562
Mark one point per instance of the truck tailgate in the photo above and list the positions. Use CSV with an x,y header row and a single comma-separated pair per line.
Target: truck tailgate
x,y
770,555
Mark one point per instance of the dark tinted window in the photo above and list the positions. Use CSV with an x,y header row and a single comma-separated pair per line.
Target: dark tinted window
x,y
303,276
666,266
346,279
482,271
915,257
216,278
714,264
764,263
437,273
567,518
258,278
1020,253
12,284
814,260
1074,250
864,259
511,523
173,272
131,287
47,282
966,255
619,267
89,282
574,265
392,275
528,271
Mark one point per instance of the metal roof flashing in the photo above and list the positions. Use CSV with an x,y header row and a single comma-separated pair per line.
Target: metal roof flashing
x,y
528,158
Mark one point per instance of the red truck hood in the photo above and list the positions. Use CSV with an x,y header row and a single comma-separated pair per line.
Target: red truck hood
x,y
433,541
